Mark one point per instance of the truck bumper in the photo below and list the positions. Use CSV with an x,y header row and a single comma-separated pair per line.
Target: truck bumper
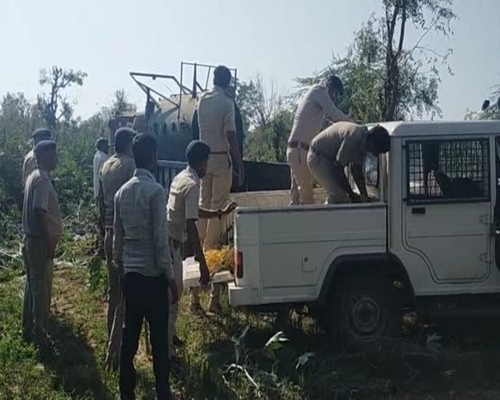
x,y
240,296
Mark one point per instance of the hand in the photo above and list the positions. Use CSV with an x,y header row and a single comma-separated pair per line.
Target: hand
x,y
204,274
173,291
229,208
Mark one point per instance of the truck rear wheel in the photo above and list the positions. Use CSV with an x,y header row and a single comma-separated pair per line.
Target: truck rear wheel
x,y
366,309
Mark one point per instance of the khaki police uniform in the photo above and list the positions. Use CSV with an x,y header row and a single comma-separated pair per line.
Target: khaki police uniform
x,y
182,206
216,117
39,193
115,172
29,165
306,125
344,143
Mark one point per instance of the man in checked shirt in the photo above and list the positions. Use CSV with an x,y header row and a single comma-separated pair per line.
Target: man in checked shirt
x,y
142,254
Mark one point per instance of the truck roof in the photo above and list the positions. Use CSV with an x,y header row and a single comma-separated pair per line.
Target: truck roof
x,y
434,128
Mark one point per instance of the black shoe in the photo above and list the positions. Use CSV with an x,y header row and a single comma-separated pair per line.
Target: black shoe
x,y
177,341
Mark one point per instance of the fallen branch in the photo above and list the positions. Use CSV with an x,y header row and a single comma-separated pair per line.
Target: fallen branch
x,y
247,374
12,256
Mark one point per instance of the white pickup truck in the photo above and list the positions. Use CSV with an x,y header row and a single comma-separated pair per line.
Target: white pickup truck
x,y
428,242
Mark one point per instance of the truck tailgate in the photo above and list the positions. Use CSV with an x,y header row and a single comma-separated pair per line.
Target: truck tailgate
x,y
287,252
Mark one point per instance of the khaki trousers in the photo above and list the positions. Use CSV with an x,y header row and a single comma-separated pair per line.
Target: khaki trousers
x,y
115,312
214,195
301,191
322,169
38,287
176,254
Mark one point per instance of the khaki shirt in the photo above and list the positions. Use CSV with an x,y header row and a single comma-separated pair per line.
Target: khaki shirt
x,y
182,203
308,118
115,172
216,117
29,165
99,159
39,193
343,142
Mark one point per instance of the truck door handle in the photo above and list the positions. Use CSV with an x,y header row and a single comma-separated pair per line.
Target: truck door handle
x,y
418,210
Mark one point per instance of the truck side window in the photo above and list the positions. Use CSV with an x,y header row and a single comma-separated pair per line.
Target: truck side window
x,y
448,170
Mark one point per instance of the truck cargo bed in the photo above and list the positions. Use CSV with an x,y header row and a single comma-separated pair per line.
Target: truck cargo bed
x,y
271,198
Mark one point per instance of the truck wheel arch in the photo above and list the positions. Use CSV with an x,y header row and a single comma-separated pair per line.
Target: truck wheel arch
x,y
386,263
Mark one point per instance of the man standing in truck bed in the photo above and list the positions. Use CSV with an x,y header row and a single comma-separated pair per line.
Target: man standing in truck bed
x,y
339,146
114,173
317,102
216,120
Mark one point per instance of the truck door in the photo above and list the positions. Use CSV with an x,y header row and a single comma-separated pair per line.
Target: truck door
x,y
447,208
496,212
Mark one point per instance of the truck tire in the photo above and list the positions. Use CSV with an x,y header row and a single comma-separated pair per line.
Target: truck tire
x,y
365,310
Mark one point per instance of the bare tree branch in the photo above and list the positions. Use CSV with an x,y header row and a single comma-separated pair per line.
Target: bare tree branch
x,y
429,28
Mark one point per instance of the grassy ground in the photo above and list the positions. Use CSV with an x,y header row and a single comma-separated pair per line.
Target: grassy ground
x,y
300,368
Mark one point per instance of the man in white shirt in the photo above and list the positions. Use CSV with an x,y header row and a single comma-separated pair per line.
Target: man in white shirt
x,y
317,102
100,157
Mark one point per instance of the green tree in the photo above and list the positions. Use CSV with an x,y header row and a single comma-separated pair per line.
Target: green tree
x,y
18,118
121,103
386,79
267,118
490,108
54,105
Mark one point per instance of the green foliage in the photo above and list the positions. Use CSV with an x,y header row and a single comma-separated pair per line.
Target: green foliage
x,y
21,374
267,119
18,118
119,105
384,78
490,110
268,143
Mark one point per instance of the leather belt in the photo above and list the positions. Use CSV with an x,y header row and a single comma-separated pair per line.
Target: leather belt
x,y
296,145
